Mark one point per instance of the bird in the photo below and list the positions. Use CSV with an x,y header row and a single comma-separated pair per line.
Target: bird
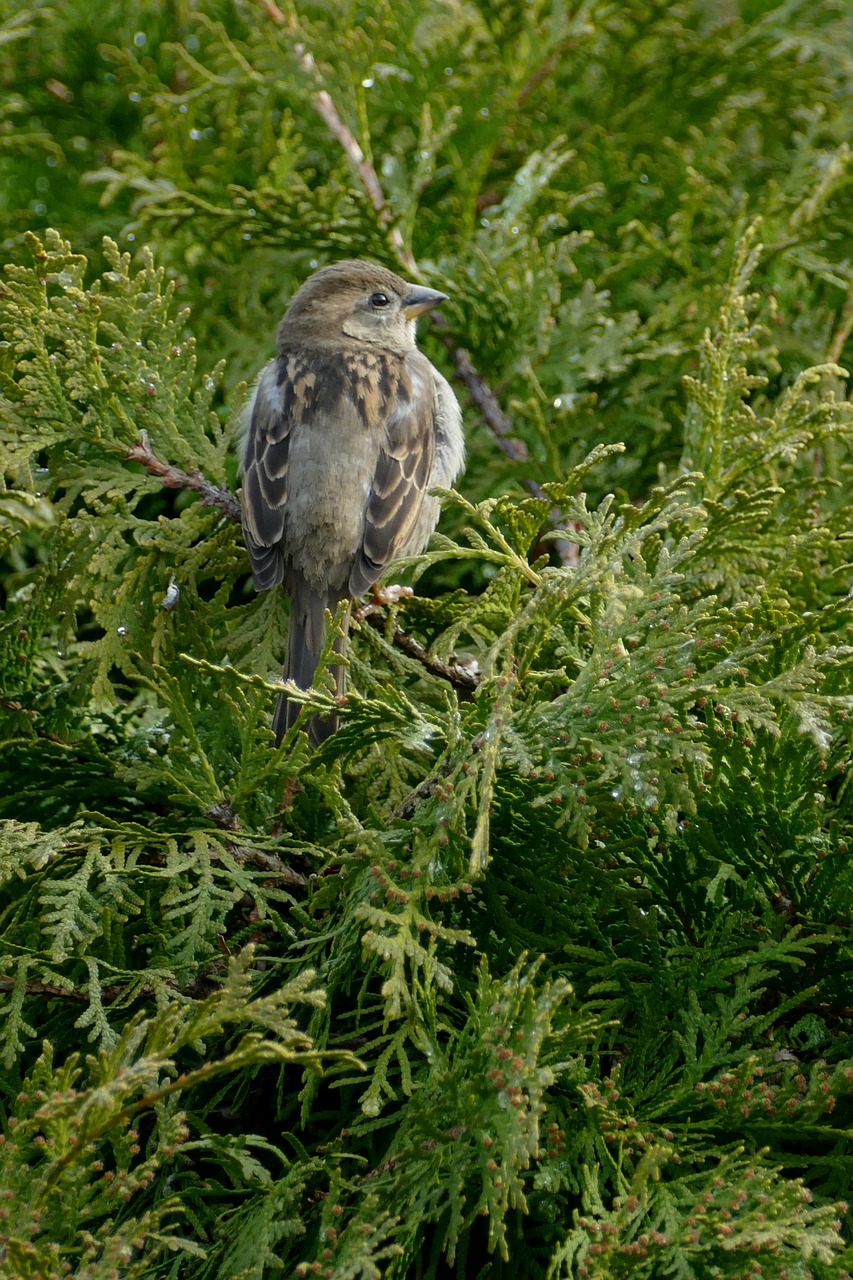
x,y
348,428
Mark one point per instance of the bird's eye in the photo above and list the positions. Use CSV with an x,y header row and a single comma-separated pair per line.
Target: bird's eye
x,y
379,300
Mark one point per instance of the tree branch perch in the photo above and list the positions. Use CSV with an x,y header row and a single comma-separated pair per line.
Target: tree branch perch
x,y
465,679
174,478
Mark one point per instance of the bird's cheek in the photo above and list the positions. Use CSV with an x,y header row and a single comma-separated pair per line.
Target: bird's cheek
x,y
360,327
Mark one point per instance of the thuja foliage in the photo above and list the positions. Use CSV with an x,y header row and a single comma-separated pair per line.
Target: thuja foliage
x,y
542,965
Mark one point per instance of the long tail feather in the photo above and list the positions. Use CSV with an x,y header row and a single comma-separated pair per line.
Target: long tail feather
x,y
305,641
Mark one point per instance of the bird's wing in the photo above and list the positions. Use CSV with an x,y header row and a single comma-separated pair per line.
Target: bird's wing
x,y
402,473
275,410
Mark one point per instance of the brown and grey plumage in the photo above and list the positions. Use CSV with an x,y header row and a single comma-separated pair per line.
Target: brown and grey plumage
x,y
349,427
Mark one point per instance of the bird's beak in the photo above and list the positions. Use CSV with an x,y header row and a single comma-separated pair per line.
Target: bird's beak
x,y
420,300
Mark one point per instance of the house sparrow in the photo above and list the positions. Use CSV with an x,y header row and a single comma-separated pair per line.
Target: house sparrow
x,y
348,429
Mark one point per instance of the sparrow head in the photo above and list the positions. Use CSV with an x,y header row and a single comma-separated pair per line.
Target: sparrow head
x,y
358,301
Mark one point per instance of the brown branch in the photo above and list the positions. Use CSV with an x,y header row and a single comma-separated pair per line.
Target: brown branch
x,y
273,11
270,862
465,679
226,819
500,425
408,806
51,990
199,986
174,478
498,422
544,69
11,704
328,112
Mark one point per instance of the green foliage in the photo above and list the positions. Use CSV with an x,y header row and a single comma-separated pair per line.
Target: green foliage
x,y
73,1155
545,977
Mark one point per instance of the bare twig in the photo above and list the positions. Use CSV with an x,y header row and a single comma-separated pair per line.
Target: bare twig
x,y
464,679
226,817
328,112
196,987
544,69
270,862
174,478
498,422
50,990
500,425
408,806
273,11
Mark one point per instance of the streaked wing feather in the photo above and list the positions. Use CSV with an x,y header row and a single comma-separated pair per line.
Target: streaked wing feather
x,y
397,492
265,474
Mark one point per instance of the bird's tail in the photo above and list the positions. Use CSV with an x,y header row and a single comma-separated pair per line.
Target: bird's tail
x,y
305,641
